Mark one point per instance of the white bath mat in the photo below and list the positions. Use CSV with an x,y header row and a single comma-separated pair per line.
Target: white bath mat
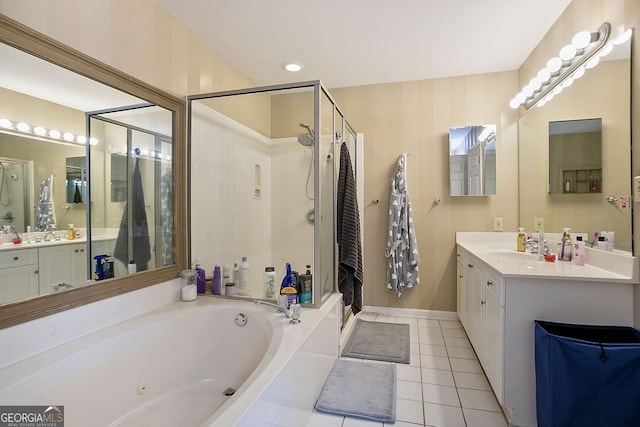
x,y
360,389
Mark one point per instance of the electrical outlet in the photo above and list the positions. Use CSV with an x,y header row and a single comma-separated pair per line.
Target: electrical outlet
x,y
538,224
497,224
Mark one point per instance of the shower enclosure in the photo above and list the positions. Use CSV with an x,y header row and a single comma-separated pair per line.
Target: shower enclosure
x,y
264,167
16,193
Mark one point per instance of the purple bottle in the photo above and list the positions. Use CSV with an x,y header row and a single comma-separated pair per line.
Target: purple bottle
x,y
217,282
200,283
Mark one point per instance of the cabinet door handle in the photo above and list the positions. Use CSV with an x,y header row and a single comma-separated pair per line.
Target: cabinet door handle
x,y
470,265
76,251
489,283
482,302
461,276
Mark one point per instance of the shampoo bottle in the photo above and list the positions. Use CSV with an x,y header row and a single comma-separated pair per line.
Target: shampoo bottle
x,y
236,273
288,287
578,251
216,287
521,239
225,274
244,276
305,286
269,282
201,280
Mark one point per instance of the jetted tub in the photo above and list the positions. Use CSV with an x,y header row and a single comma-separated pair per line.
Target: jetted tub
x,y
169,367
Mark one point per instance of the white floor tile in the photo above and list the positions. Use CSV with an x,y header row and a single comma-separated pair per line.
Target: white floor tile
x,y
429,322
441,394
431,339
408,372
471,380
478,418
433,350
457,341
461,353
435,362
430,330
403,424
385,318
438,376
443,416
319,419
409,411
454,324
359,422
478,399
409,390
414,358
451,332
408,320
466,365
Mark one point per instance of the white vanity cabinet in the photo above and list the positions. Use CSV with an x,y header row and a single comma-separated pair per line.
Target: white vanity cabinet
x,y
502,293
18,275
66,263
481,312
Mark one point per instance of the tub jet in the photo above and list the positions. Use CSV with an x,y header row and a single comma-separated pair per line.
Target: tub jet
x,y
229,392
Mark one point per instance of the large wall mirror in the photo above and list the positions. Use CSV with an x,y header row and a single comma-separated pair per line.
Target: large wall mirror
x,y
67,122
582,185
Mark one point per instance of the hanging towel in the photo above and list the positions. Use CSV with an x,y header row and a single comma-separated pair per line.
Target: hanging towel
x,y
139,229
166,201
77,197
350,276
45,215
402,246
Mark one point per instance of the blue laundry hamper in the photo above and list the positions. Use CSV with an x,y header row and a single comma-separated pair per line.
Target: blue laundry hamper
x,y
587,376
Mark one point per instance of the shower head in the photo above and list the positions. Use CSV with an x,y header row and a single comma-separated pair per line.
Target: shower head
x,y
306,139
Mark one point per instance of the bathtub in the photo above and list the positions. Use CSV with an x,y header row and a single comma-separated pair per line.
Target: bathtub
x,y
187,364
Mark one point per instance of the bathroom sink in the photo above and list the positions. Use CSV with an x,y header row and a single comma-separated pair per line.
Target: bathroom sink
x,y
515,255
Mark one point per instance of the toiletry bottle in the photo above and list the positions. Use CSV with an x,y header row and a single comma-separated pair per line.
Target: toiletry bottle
x,y
201,280
225,274
566,250
131,267
244,276
236,274
216,287
541,244
269,280
578,251
567,186
288,287
305,286
521,239
71,232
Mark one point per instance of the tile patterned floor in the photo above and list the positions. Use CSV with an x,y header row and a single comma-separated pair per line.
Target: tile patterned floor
x,y
443,385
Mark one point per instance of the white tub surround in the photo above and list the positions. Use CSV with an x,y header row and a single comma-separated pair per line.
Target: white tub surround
x,y
501,292
170,366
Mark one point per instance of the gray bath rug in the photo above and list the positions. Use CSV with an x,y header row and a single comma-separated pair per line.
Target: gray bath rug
x,y
360,389
388,342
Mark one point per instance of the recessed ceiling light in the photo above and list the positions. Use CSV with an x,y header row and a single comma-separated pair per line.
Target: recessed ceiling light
x,y
292,66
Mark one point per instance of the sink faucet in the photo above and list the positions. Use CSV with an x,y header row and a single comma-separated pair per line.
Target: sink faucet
x,y
280,308
535,246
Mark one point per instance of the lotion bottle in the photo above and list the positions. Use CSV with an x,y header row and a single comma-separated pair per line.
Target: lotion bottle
x,y
244,276
521,239
578,251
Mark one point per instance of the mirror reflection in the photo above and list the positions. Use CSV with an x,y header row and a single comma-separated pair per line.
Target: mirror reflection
x,y
575,156
472,160
603,93
49,127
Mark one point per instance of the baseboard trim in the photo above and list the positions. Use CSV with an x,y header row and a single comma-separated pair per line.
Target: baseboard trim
x,y
411,312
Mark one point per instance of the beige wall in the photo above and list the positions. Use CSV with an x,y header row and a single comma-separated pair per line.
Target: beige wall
x,y
414,117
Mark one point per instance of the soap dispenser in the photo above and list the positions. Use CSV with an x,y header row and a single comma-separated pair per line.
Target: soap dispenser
x,y
521,239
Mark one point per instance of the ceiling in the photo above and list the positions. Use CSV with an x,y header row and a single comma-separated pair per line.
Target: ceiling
x,y
358,42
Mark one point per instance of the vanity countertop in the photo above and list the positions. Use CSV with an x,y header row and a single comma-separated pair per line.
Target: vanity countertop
x,y
7,246
498,250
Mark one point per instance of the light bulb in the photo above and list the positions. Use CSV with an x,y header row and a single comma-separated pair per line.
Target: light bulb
x,y
5,123
592,62
606,50
535,83
556,90
39,130
568,82
23,127
554,64
541,103
68,136
579,73
568,52
54,133
93,141
527,90
292,66
521,98
514,103
544,75
81,139
581,40
624,37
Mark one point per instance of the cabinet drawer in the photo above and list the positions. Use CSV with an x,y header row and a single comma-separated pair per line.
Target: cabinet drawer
x,y
493,286
18,257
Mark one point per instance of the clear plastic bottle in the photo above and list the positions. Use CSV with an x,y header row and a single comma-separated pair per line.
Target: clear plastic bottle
x,y
244,277
71,232
216,287
225,274
521,239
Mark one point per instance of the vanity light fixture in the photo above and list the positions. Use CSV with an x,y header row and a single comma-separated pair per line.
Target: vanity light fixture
x,y
43,134
584,52
292,66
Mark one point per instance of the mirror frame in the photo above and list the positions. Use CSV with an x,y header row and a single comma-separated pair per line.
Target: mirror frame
x,y
30,41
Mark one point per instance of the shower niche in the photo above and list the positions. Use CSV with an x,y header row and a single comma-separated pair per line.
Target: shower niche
x,y
260,160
